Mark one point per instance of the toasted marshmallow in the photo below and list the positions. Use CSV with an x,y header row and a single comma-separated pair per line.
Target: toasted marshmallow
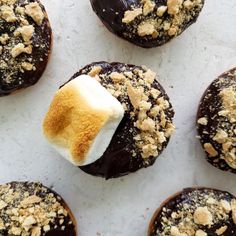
x,y
82,120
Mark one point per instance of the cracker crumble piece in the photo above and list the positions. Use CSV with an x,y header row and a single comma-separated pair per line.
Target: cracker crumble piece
x,y
233,206
4,39
161,10
188,4
147,28
7,13
28,66
200,233
202,216
2,204
174,231
148,6
131,15
225,205
26,32
117,77
228,96
20,48
95,71
135,95
34,10
174,6
210,150
202,121
221,230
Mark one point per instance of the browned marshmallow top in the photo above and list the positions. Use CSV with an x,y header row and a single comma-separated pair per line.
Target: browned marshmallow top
x,y
79,111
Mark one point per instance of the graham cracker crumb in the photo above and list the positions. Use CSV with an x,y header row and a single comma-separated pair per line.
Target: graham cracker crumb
x,y
34,10
203,216
202,121
225,205
95,71
8,14
200,233
147,28
210,150
26,32
161,10
131,15
148,7
174,6
221,230
174,231
228,96
135,95
233,206
117,77
4,39
20,48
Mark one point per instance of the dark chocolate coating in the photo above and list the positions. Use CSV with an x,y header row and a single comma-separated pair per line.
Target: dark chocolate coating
x,y
111,13
117,159
183,197
209,107
70,229
40,55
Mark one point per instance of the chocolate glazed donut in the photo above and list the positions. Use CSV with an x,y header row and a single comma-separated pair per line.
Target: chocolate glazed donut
x,y
118,159
41,41
190,196
112,13
210,122
31,195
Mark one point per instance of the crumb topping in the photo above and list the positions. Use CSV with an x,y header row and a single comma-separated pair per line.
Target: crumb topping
x,y
221,230
145,104
30,209
202,216
197,213
202,121
233,206
20,22
222,135
210,149
131,15
34,10
155,20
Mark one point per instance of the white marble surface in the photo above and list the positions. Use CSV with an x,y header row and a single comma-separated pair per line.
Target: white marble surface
x,y
120,207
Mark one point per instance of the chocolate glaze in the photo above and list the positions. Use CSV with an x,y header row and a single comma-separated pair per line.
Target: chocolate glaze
x,y
183,197
209,108
42,35
117,159
70,229
112,12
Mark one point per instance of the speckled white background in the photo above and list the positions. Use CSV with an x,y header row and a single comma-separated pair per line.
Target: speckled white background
x,y
120,207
